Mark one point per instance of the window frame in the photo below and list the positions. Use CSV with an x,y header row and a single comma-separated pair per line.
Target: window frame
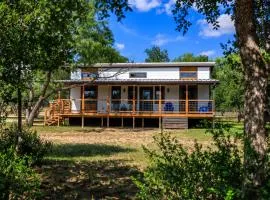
x,y
144,74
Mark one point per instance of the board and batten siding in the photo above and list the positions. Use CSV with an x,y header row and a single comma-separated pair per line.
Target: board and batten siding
x,y
152,73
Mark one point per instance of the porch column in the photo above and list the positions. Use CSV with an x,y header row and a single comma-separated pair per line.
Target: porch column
x,y
133,100
159,107
187,103
83,103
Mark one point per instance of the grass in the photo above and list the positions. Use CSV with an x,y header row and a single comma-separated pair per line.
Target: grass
x,y
99,163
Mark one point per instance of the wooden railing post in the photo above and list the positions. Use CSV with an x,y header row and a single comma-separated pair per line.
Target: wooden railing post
x,y
187,103
45,117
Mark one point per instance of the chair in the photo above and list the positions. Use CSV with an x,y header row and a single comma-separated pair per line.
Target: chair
x,y
168,106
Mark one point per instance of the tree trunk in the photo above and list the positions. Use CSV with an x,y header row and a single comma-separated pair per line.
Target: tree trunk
x,y
33,112
256,74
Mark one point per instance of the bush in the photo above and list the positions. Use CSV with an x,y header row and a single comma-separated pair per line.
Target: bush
x,y
209,173
30,143
17,179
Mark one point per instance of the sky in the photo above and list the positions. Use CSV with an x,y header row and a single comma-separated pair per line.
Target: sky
x,y
151,23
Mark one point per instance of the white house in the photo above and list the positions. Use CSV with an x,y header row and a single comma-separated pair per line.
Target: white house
x,y
171,93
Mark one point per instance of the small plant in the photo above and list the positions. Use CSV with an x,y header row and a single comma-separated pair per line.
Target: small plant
x,y
17,179
29,144
214,172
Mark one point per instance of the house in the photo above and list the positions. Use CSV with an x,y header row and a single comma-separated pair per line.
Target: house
x,y
166,94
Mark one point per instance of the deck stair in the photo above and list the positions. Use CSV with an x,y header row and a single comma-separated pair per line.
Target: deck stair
x,y
52,114
175,123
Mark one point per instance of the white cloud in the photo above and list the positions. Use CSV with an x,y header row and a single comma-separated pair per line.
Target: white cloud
x,y
145,5
226,27
166,7
119,46
208,53
161,39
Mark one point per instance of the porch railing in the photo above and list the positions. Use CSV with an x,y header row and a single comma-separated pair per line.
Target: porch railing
x,y
68,106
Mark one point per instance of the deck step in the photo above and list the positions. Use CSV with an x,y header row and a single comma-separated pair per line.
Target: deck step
x,y
175,123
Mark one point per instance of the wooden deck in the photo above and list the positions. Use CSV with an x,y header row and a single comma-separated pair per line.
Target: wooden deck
x,y
126,108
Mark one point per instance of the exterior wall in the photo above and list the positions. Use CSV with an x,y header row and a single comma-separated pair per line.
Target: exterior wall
x,y
103,92
172,96
75,96
203,72
152,73
203,94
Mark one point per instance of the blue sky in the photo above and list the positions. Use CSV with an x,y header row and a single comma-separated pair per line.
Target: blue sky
x,y
151,23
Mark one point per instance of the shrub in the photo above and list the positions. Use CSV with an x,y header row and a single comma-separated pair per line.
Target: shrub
x,y
30,143
214,172
17,179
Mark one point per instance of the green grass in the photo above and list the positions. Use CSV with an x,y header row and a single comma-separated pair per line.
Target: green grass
x,y
99,163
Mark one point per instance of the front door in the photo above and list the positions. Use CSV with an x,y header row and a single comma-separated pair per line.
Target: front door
x,y
90,98
146,98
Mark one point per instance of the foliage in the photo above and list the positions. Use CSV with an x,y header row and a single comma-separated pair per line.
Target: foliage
x,y
30,143
215,172
17,179
190,57
155,54
229,94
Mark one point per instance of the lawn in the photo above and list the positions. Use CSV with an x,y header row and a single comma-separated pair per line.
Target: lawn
x,y
99,163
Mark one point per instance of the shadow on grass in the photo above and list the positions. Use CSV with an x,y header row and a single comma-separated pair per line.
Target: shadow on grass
x,y
88,180
85,150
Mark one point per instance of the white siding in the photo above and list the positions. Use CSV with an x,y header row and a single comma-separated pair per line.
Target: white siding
x,y
152,73
203,73
103,92
76,75
75,96
203,94
172,96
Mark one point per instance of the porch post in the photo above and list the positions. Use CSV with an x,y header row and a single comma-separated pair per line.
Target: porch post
x,y
82,121
108,112
187,103
159,107
83,103
133,100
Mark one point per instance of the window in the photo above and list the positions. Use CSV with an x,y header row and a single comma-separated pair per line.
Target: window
x,y
116,92
90,92
137,75
86,75
188,75
188,72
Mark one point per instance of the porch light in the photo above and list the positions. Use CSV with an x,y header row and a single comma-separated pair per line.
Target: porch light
x,y
168,90
124,90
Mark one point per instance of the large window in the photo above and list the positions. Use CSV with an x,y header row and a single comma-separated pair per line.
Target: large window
x,y
90,92
137,75
188,73
89,75
116,98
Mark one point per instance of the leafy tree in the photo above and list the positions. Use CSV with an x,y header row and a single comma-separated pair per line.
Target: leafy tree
x,y
190,57
155,54
229,94
251,18
40,35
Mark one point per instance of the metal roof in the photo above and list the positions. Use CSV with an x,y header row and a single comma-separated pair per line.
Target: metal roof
x,y
140,81
152,64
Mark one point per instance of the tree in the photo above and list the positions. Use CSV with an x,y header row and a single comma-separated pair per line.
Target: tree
x,y
190,57
229,94
251,18
38,35
155,54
